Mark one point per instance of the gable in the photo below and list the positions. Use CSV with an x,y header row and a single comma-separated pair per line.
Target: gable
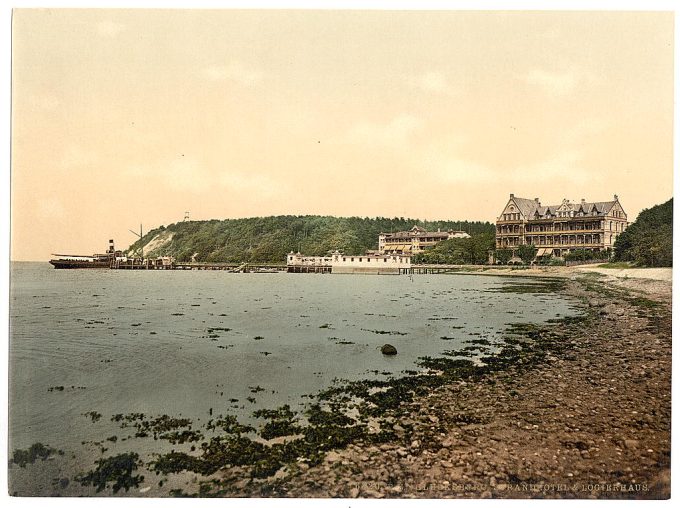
x,y
513,210
511,207
616,210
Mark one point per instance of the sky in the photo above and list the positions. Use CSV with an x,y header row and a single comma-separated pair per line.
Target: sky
x,y
122,117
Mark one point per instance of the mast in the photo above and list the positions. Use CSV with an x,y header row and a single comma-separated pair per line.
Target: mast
x,y
140,237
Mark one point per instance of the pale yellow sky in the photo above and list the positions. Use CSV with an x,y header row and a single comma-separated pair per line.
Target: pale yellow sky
x,y
128,116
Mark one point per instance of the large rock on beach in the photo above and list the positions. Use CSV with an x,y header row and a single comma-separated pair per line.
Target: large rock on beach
x,y
388,349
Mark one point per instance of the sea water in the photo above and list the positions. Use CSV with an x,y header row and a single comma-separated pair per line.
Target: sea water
x,y
196,343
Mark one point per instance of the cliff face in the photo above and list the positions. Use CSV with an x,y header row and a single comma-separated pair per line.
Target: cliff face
x,y
154,245
269,239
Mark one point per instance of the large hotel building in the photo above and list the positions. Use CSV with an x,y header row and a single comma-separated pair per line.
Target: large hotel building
x,y
414,240
558,229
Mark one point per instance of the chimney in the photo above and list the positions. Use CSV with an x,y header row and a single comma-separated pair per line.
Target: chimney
x,y
616,198
537,201
512,195
583,201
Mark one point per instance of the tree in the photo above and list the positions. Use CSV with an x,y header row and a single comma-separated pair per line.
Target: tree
x,y
649,240
526,253
503,256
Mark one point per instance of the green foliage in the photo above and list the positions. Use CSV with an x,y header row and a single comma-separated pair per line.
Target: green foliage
x,y
617,264
587,255
269,239
526,253
649,240
459,251
503,256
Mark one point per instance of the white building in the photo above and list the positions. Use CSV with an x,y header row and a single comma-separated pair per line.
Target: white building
x,y
377,264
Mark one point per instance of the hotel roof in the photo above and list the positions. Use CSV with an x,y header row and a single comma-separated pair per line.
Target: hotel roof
x,y
532,208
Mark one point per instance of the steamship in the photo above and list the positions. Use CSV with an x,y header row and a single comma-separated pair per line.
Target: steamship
x,y
81,261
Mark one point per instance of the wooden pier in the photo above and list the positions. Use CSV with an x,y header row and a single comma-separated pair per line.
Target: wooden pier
x,y
139,264
160,264
309,269
428,269
165,264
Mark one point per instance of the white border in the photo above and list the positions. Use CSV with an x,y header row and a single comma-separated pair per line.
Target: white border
x,y
5,38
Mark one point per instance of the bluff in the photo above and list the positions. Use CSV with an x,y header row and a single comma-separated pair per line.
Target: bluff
x,y
649,240
269,239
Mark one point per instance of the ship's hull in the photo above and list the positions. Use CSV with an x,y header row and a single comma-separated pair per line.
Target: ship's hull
x,y
72,263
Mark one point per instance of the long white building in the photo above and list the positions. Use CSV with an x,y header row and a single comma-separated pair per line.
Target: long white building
x,y
337,262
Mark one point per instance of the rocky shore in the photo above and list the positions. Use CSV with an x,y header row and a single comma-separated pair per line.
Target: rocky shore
x,y
577,408
592,421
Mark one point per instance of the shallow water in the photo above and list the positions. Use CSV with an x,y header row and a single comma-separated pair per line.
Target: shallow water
x,y
154,341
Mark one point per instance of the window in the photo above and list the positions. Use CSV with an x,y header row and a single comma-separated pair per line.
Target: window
x,y
351,259
368,260
385,260
344,259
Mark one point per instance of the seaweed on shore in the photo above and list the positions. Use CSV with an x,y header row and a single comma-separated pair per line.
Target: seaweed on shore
x,y
214,329
36,451
162,427
282,422
320,417
545,285
116,470
329,427
326,423
385,332
228,424
177,437
95,416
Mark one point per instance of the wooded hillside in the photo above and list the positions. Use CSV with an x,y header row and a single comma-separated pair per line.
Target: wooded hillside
x,y
269,239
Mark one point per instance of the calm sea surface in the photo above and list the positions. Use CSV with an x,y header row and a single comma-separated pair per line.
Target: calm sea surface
x,y
183,342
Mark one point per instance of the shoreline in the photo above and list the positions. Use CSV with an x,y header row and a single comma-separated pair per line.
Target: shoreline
x,y
497,431
593,422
